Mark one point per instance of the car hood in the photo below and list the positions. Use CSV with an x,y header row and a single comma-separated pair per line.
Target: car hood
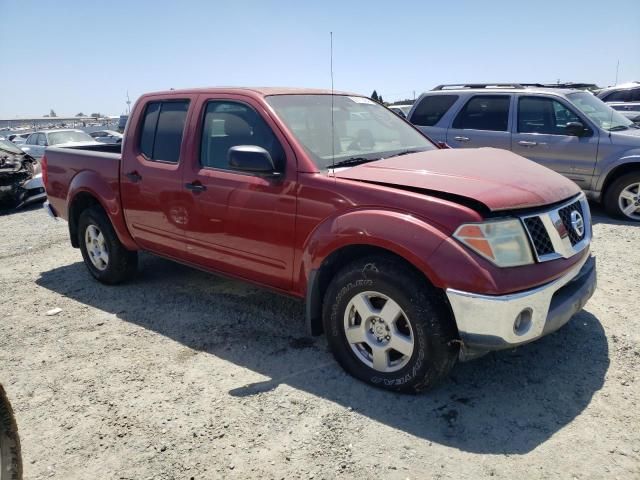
x,y
627,137
499,179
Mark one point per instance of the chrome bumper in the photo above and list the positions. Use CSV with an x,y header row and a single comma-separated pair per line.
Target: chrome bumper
x,y
488,322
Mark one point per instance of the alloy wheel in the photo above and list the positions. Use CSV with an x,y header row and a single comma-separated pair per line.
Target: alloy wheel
x,y
378,331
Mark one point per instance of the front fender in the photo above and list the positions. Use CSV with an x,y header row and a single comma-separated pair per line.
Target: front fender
x,y
630,156
107,195
405,235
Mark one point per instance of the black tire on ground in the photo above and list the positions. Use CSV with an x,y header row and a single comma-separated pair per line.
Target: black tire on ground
x,y
612,194
435,349
10,455
122,263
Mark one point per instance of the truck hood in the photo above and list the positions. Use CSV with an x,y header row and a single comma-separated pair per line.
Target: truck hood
x,y
499,179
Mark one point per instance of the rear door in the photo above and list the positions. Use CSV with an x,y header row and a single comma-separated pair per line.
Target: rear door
x,y
483,121
429,112
540,135
153,195
240,223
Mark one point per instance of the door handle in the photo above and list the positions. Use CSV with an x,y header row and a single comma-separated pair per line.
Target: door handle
x,y
195,187
462,139
133,176
525,143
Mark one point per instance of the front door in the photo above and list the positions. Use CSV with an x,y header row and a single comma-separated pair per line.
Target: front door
x,y
540,135
482,122
152,190
240,223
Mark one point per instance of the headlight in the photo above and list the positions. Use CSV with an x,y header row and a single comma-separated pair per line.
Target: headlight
x,y
503,242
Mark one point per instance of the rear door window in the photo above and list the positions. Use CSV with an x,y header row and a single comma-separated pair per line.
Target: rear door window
x,y
484,112
162,130
619,96
431,109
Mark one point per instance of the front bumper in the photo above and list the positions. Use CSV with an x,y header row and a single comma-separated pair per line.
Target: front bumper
x,y
488,322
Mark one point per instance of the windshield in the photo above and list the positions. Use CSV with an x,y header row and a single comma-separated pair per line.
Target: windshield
x,y
363,129
56,138
599,112
9,147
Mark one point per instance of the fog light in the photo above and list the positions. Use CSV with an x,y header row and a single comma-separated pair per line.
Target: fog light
x,y
522,323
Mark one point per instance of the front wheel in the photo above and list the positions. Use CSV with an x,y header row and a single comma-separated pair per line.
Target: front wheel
x,y
388,327
622,198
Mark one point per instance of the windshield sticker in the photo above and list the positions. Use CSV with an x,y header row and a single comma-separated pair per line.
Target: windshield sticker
x,y
362,100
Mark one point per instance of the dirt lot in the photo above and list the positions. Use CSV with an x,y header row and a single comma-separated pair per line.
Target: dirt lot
x,y
185,375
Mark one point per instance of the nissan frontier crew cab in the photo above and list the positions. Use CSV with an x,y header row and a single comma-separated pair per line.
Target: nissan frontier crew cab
x,y
408,256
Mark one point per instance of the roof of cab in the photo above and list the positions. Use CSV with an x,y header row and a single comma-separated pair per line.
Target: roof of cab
x,y
260,91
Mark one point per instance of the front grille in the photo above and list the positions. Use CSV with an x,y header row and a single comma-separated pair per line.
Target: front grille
x,y
565,216
539,236
551,233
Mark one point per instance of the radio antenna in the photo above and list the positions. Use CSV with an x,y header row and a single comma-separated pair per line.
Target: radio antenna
x,y
333,144
611,117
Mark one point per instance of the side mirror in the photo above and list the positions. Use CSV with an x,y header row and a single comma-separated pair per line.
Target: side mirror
x,y
252,159
443,145
576,129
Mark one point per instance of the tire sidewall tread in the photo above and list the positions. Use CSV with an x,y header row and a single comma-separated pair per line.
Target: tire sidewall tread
x,y
435,351
613,193
122,262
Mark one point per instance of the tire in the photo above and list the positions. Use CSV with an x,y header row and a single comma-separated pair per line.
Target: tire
x,y
416,321
105,257
10,454
628,185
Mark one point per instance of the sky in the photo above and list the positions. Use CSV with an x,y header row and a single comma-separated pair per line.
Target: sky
x,y
84,56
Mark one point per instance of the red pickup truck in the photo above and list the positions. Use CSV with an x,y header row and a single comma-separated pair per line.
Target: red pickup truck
x,y
409,255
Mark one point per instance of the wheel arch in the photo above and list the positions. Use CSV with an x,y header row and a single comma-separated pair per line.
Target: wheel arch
x,y
319,279
631,164
88,189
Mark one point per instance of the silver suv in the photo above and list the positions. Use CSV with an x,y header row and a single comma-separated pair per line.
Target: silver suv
x,y
625,98
567,130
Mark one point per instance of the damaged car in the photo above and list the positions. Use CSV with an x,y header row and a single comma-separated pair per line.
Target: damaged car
x,y
20,177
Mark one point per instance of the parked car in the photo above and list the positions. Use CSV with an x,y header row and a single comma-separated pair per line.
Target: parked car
x,y
625,98
20,177
569,131
10,453
407,255
18,138
106,136
401,110
38,141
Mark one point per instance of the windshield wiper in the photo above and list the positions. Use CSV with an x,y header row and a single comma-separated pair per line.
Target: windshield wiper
x,y
350,162
405,152
618,128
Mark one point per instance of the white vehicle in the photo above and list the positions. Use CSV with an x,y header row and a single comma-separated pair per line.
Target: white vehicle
x,y
401,110
38,141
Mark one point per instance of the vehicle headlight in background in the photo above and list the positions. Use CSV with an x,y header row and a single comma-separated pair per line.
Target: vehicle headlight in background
x,y
503,242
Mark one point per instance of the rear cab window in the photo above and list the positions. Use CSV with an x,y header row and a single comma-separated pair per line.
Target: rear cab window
x,y
484,112
162,130
431,109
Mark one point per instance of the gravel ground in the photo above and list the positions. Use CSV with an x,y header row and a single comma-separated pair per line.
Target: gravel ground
x,y
181,374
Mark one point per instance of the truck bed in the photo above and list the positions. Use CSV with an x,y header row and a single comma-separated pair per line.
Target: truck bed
x,y
94,165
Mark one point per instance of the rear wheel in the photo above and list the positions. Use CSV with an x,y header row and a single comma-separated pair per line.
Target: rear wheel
x,y
10,455
388,327
105,257
622,198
